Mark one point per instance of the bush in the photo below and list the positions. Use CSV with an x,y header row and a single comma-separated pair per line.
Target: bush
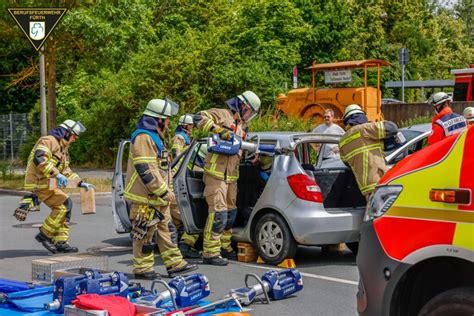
x,y
416,120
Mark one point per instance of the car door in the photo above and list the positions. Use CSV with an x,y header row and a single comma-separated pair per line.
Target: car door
x,y
120,208
413,145
188,186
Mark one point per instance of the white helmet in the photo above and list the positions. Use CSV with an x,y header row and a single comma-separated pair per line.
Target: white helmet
x,y
185,119
468,114
253,101
352,109
439,98
74,127
161,108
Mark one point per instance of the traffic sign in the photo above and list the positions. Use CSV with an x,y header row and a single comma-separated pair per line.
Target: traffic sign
x,y
403,56
37,23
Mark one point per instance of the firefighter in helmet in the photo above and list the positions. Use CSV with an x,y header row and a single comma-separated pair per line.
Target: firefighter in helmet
x,y
221,173
50,159
445,122
468,114
181,142
147,188
362,146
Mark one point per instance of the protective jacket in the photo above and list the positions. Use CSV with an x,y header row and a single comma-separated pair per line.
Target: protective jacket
x,y
48,157
181,142
446,123
362,148
219,166
145,184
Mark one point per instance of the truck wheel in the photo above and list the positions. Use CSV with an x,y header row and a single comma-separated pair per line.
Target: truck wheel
x,y
454,302
353,246
273,239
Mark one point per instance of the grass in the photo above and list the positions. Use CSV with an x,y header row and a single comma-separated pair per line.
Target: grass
x,y
16,182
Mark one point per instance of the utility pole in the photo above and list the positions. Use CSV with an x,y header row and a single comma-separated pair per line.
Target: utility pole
x,y
403,60
42,92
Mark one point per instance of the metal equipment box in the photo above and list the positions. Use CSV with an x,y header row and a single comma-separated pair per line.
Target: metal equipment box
x,y
42,270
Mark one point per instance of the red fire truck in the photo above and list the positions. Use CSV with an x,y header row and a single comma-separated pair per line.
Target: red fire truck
x,y
463,84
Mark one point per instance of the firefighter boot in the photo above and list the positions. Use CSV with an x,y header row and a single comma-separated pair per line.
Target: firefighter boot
x,y
188,267
150,275
216,261
230,255
46,242
63,246
188,252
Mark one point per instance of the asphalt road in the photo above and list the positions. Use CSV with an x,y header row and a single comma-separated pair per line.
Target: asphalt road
x,y
330,279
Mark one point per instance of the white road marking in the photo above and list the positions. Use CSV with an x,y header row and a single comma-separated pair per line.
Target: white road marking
x,y
308,275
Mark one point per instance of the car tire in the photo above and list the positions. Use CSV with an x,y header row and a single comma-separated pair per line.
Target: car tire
x,y
454,302
281,245
353,246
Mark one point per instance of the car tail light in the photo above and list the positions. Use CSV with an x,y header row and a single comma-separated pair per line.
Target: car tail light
x,y
305,188
382,200
458,196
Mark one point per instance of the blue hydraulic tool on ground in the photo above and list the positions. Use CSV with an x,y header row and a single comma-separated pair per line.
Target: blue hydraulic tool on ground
x,y
66,289
181,291
232,146
274,285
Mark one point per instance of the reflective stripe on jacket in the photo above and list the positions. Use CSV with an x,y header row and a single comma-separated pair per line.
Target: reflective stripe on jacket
x,y
362,148
220,166
144,183
445,123
48,157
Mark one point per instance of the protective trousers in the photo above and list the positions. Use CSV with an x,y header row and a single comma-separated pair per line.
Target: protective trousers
x,y
56,225
221,199
166,238
188,239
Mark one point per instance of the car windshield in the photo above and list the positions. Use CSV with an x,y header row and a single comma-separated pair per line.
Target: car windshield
x,y
390,145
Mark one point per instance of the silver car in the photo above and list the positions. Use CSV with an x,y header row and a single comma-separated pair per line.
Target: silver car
x,y
306,200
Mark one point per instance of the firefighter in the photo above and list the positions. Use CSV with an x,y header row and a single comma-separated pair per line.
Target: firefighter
x,y
468,114
150,195
445,122
181,142
50,159
361,147
221,173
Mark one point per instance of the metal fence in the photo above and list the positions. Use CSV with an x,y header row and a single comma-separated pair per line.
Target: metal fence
x,y
14,131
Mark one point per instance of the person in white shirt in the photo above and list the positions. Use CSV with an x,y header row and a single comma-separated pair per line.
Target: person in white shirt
x,y
329,127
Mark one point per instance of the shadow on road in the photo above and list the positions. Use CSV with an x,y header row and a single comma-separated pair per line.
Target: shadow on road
x,y
315,256
18,253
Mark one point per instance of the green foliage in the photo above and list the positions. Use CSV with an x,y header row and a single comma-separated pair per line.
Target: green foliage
x,y
416,120
114,56
6,170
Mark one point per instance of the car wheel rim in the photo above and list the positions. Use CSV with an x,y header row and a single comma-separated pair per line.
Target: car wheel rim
x,y
270,239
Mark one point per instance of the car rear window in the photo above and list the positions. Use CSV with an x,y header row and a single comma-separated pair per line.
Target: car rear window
x,y
390,145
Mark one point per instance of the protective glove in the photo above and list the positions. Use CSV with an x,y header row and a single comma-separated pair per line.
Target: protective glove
x,y
62,180
226,134
86,185
139,225
20,214
169,197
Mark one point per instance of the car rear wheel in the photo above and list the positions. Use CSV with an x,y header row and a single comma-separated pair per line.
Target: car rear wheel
x,y
273,239
353,246
455,302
